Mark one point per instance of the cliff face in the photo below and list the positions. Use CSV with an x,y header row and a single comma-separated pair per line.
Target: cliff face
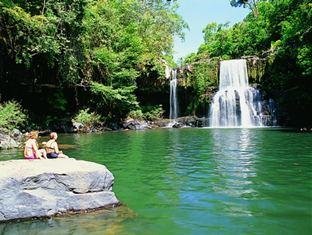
x,y
43,188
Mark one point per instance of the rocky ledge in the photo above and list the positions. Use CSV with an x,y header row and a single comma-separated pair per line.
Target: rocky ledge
x,y
43,188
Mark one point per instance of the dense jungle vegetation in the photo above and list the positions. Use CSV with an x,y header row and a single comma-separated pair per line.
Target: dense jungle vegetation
x,y
59,57
278,32
106,59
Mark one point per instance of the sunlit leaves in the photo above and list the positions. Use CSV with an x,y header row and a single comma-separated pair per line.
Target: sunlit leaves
x,y
73,43
107,98
281,32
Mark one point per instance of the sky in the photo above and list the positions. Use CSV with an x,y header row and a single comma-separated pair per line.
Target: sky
x,y
197,14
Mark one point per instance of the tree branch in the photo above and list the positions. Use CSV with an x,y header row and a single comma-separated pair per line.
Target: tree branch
x,y
43,8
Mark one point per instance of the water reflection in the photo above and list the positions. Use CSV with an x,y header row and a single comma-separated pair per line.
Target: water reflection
x,y
100,222
235,153
10,154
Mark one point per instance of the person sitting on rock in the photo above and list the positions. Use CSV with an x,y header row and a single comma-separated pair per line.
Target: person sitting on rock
x,y
31,150
52,147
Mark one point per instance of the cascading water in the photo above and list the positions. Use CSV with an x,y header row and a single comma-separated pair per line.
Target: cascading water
x,y
236,104
173,96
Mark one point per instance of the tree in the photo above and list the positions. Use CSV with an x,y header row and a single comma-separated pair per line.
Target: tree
x,y
281,34
251,4
74,44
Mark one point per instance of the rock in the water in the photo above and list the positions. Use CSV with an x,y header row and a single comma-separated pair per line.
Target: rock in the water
x,y
77,126
177,125
7,142
133,124
10,138
41,188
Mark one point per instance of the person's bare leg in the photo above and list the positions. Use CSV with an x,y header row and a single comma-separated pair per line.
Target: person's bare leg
x,y
44,153
41,154
62,155
38,155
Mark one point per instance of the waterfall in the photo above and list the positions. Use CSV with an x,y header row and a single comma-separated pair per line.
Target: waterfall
x,y
173,96
236,104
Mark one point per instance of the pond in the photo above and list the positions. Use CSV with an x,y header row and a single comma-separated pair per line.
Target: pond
x,y
193,181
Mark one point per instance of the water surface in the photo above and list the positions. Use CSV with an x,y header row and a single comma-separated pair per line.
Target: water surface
x,y
193,181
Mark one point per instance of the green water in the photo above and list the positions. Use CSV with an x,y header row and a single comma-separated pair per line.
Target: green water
x,y
193,181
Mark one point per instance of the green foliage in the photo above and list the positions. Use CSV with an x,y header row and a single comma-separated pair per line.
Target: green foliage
x,y
27,32
149,113
281,32
106,45
12,115
87,118
305,59
127,39
152,113
34,33
124,41
116,103
136,114
202,81
57,101
297,37
252,4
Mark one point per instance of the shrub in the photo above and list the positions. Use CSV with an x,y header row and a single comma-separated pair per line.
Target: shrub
x,y
87,118
153,112
136,114
12,115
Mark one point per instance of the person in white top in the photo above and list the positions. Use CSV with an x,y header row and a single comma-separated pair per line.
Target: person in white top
x,y
52,147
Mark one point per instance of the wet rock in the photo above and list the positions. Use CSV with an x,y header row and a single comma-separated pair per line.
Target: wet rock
x,y
133,124
177,125
77,126
160,123
192,121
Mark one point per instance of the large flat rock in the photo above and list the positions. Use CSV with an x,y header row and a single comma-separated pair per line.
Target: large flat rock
x,y
41,188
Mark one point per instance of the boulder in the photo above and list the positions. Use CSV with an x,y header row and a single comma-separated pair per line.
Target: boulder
x,y
134,124
43,188
10,138
191,121
77,126
160,123
17,135
7,142
177,125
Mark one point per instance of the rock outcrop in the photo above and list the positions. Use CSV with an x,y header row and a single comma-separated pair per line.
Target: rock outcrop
x,y
43,188
187,121
10,139
133,124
